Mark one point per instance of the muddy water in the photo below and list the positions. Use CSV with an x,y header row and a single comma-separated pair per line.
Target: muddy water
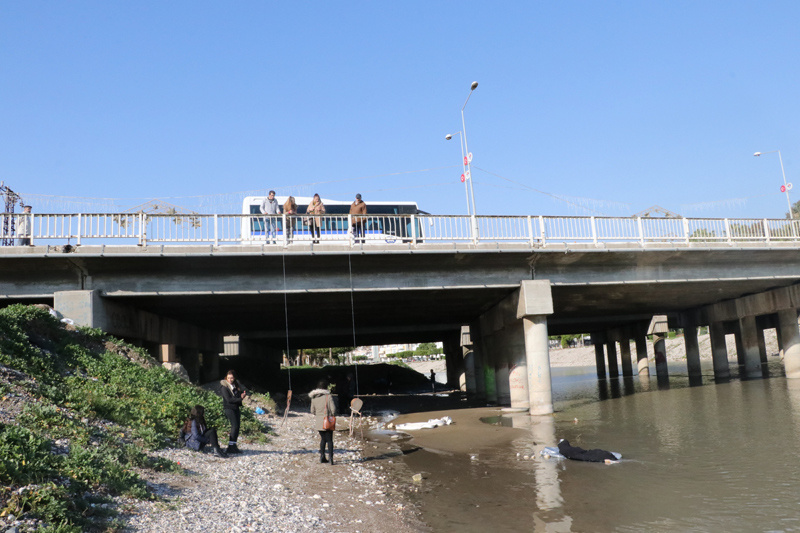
x,y
714,457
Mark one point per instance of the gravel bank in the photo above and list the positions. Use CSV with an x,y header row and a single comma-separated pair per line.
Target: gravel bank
x,y
282,486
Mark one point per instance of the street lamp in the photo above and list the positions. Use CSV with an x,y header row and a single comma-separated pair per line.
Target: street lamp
x,y
464,167
468,163
786,186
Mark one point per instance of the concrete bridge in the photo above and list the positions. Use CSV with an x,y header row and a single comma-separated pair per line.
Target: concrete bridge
x,y
492,300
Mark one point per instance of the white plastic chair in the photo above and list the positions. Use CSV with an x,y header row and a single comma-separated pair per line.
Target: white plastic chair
x,y
355,409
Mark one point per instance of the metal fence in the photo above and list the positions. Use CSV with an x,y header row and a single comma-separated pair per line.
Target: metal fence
x,y
414,230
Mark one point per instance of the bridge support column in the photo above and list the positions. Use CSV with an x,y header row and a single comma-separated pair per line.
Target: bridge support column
x,y
454,359
790,339
659,329
469,362
497,348
535,303
642,363
599,355
479,361
749,343
719,352
625,353
518,369
692,353
611,351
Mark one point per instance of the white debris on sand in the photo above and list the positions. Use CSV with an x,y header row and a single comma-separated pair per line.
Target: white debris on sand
x,y
280,486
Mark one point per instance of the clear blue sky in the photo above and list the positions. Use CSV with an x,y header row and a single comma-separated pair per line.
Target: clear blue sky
x,y
586,107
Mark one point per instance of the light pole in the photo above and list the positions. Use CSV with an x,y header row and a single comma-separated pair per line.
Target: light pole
x,y
464,167
468,160
786,186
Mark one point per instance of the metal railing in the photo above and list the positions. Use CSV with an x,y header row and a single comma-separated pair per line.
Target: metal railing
x,y
415,230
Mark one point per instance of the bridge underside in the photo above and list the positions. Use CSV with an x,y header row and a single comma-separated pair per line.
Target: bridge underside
x,y
320,296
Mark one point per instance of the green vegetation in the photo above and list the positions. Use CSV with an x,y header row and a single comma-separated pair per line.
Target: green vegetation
x,y
91,405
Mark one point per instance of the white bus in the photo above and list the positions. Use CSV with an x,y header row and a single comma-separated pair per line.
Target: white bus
x,y
385,222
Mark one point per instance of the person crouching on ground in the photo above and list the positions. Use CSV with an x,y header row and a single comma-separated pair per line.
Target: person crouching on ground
x,y
232,395
322,405
197,435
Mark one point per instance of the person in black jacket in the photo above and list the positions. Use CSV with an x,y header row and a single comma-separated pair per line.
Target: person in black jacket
x,y
232,395
197,435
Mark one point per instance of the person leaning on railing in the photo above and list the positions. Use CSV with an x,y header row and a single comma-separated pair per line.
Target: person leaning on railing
x,y
358,208
316,207
24,226
289,209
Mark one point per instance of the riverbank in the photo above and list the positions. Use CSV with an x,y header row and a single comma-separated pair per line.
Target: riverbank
x,y
282,486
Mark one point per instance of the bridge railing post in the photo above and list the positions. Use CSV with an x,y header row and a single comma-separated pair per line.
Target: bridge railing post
x,y
766,230
414,229
530,230
640,228
593,223
142,229
542,234
216,231
78,235
351,236
686,231
728,231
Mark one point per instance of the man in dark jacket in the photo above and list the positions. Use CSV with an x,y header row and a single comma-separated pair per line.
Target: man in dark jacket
x,y
358,208
232,395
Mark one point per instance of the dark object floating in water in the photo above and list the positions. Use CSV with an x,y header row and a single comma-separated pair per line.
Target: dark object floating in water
x,y
579,454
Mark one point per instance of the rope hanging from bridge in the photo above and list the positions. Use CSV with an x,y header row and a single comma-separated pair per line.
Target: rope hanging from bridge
x,y
286,323
353,315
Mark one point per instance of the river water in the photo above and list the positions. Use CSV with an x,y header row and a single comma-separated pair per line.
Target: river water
x,y
713,457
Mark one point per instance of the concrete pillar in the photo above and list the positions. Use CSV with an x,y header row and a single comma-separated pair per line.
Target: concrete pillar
x,y
642,363
535,303
749,340
469,362
479,361
660,351
167,353
518,369
762,346
659,328
692,352
625,354
740,351
599,355
719,351
498,350
537,349
467,378
790,337
611,350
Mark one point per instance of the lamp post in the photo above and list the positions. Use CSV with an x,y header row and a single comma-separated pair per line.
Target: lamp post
x,y
786,186
464,167
468,164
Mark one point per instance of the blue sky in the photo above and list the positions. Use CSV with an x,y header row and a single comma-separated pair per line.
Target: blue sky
x,y
583,108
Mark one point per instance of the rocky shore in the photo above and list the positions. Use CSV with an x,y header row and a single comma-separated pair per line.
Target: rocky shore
x,y
281,486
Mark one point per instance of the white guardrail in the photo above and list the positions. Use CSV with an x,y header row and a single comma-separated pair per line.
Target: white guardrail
x,y
143,229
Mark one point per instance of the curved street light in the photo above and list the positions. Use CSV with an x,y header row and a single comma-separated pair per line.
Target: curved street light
x,y
786,186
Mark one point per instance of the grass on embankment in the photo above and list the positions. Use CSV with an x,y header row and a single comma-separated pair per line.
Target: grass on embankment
x,y
77,409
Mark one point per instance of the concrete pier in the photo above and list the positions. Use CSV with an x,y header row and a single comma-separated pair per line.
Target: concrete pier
x,y
642,363
535,303
790,337
611,351
599,355
749,344
692,352
625,355
719,352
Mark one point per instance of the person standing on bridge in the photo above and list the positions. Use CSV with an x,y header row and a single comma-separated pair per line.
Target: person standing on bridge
x,y
289,209
232,395
316,207
358,208
270,209
24,226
